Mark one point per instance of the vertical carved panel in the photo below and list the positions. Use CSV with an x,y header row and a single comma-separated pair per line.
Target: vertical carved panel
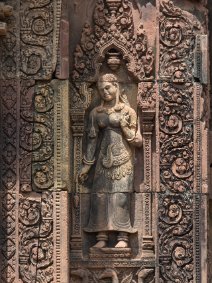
x,y
44,146
26,134
113,43
9,178
36,240
43,138
180,165
176,169
9,146
39,37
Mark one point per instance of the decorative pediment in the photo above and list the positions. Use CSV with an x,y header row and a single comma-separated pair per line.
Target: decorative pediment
x,y
113,32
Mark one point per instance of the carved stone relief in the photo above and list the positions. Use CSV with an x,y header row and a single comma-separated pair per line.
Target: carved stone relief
x,y
28,146
110,62
105,165
39,26
179,215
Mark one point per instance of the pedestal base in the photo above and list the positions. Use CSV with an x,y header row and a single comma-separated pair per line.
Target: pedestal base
x,y
110,253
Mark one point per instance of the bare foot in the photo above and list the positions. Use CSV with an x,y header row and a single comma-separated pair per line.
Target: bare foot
x,y
121,244
100,244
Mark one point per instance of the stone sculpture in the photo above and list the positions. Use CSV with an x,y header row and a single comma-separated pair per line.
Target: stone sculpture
x,y
114,122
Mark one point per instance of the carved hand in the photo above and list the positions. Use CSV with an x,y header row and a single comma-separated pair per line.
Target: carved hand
x,y
138,141
124,121
83,174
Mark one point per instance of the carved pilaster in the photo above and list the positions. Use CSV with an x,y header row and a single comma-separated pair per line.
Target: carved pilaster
x,y
148,126
77,118
146,101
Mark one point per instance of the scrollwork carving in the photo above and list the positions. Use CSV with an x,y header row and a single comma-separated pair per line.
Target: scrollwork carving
x,y
36,245
178,31
114,275
39,38
42,138
177,39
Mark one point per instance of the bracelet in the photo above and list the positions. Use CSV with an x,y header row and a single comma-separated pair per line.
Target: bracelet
x,y
88,162
131,140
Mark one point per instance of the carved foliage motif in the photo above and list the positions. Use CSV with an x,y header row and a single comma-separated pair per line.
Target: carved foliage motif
x,y
9,130
176,171
147,95
177,42
27,140
36,242
36,136
176,137
114,275
43,138
26,134
177,39
39,37
113,28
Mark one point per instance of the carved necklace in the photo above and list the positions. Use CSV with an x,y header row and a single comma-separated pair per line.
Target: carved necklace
x,y
111,110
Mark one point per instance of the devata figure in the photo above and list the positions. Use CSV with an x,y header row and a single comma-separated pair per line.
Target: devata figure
x,y
111,138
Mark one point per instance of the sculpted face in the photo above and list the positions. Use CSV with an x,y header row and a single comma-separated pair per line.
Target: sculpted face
x,y
107,90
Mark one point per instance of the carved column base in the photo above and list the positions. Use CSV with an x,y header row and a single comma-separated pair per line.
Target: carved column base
x,y
148,247
110,253
76,247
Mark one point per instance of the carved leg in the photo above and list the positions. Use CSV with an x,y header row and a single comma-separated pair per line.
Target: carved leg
x,y
123,240
102,238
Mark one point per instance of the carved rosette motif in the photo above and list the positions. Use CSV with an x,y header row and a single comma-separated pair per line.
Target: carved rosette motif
x,y
43,138
26,134
28,50
177,40
176,118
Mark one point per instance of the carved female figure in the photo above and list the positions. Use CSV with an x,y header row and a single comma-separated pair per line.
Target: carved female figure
x,y
111,138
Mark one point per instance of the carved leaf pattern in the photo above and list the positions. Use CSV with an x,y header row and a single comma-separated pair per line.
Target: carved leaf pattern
x,y
36,245
42,138
39,37
177,40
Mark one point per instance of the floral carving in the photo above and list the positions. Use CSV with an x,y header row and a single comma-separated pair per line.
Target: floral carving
x,y
176,167
178,31
177,39
146,95
176,136
39,37
42,138
36,244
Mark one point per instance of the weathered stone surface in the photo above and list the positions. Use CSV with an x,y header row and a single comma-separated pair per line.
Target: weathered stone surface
x,y
82,83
